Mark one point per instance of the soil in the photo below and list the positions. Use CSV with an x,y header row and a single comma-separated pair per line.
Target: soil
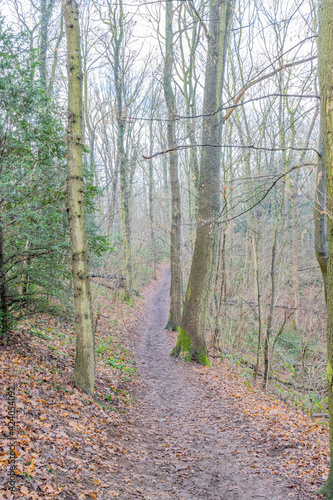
x,y
189,440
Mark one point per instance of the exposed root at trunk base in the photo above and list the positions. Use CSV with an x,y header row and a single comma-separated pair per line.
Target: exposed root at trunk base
x,y
183,349
171,326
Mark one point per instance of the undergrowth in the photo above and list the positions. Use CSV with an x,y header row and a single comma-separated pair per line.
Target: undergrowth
x,y
297,374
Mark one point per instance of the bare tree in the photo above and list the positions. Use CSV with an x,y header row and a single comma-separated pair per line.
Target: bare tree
x,y
84,371
175,237
191,340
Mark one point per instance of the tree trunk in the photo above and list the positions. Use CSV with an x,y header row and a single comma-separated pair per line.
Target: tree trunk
x,y
219,300
84,371
125,212
257,271
166,211
272,274
326,94
191,341
175,288
46,7
122,159
3,291
295,256
320,223
295,219
190,81
55,54
271,309
151,201
112,209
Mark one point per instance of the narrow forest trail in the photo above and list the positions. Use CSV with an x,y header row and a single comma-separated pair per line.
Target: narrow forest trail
x,y
187,440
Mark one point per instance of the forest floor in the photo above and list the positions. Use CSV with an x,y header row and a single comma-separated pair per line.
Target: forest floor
x,y
176,430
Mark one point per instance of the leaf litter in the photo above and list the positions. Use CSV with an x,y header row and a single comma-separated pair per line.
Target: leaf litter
x,y
157,428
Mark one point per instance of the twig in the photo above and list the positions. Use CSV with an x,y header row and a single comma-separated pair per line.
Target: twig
x,y
204,27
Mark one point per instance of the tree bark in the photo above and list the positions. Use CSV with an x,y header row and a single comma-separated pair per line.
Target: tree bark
x,y
294,209
175,237
84,371
190,81
3,290
326,94
320,223
122,158
272,304
151,201
46,7
112,207
55,55
191,341
295,256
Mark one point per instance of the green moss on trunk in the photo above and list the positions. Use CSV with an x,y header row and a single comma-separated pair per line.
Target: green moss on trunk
x,y
182,348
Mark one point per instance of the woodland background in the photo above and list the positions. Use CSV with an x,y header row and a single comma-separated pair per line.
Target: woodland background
x,y
269,165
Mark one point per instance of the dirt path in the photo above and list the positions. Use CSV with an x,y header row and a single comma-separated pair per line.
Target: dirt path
x,y
188,441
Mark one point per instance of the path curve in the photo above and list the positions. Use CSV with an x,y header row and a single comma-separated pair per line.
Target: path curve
x,y
182,444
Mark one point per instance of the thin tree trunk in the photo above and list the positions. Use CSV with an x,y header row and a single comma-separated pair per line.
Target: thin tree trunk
x,y
320,223
126,222
122,158
272,275
295,222
175,237
151,201
295,257
166,211
219,300
46,7
189,89
272,304
55,54
165,175
84,371
3,291
191,341
257,270
113,202
286,161
43,42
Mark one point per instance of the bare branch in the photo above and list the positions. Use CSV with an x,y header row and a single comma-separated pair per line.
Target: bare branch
x,y
250,146
264,77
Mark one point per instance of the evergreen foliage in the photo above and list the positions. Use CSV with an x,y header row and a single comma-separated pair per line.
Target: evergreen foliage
x,y
34,245
34,237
